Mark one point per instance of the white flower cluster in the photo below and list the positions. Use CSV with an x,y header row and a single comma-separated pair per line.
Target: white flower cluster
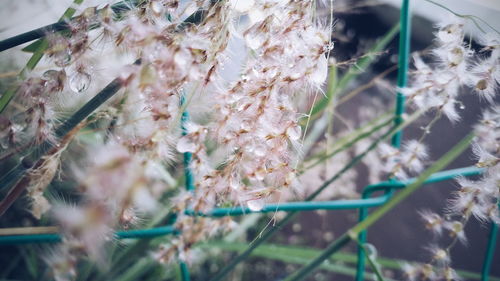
x,y
409,159
255,118
481,198
39,95
478,198
116,187
437,86
252,121
255,121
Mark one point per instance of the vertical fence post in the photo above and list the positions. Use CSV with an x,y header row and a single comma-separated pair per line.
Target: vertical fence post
x,y
360,266
403,64
490,251
189,181
184,271
187,155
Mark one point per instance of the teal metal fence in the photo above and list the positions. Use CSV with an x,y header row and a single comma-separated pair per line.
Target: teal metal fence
x,y
363,205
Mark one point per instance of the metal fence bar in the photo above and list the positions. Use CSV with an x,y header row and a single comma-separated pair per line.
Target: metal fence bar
x,y
55,237
403,62
297,206
490,251
436,177
188,174
185,275
363,213
292,206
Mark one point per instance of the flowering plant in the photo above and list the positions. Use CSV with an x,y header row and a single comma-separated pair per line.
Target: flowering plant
x,y
232,91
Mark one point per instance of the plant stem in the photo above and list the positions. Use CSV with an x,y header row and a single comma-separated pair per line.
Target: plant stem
x,y
302,255
473,18
332,248
359,137
35,58
20,177
355,70
28,230
371,262
61,25
407,191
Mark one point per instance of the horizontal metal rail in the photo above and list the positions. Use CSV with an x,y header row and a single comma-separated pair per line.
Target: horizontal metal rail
x,y
237,211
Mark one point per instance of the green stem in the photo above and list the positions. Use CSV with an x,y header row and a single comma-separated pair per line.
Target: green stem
x,y
188,174
357,138
371,262
13,178
33,61
407,191
332,248
473,18
354,71
302,255
343,140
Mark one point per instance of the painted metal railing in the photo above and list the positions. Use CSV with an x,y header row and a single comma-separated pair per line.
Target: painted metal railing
x,y
363,204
